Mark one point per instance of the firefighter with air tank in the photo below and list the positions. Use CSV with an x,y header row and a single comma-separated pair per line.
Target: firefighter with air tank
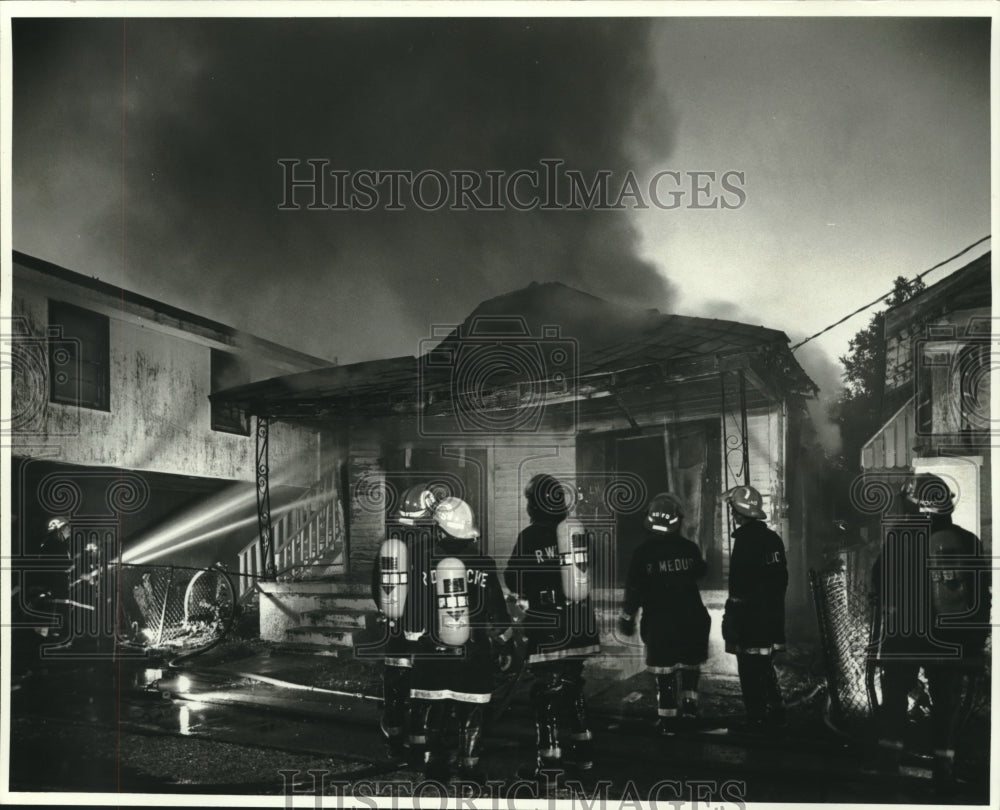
x,y
663,579
931,581
549,572
403,721
457,616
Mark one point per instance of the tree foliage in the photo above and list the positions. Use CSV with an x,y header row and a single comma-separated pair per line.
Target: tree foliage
x,y
859,407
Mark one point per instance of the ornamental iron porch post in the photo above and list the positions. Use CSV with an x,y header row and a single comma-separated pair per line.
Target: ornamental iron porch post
x,y
735,444
264,501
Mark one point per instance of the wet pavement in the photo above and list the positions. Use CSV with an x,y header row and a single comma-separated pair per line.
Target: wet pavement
x,y
226,724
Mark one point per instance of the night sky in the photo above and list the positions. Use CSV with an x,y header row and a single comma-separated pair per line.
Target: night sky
x,y
864,144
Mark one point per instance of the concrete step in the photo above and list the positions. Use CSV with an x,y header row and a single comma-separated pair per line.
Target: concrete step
x,y
335,617
322,636
353,604
321,571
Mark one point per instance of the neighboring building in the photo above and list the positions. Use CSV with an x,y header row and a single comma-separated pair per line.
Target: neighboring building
x,y
619,403
112,424
937,392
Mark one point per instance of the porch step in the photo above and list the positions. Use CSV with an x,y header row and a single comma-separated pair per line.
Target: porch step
x,y
335,617
352,604
322,636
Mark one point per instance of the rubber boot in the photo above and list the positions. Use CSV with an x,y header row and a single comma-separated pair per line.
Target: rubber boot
x,y
395,692
581,748
666,704
416,738
470,733
437,765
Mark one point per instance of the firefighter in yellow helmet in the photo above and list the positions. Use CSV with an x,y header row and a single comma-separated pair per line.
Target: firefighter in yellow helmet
x,y
753,625
458,613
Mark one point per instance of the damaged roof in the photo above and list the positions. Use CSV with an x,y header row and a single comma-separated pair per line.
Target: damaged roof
x,y
546,329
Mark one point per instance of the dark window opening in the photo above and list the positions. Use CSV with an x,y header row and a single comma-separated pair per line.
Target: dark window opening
x,y
974,387
79,357
228,372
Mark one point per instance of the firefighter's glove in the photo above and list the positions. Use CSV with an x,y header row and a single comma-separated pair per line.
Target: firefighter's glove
x,y
505,650
626,625
731,621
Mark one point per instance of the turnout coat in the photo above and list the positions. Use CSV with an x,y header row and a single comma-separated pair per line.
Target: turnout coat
x,y
663,580
556,628
933,595
441,670
754,621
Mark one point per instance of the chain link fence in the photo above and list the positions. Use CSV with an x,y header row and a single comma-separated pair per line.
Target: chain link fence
x,y
845,611
170,607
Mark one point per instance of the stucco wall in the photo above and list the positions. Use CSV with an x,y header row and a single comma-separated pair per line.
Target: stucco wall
x,y
159,414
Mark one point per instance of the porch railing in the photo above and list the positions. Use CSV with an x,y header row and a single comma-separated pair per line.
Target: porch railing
x,y
304,532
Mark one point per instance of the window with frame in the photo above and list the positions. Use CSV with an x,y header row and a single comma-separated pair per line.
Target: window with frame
x,y
79,357
228,372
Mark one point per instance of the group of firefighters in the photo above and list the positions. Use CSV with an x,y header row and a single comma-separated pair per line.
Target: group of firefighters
x,y
449,627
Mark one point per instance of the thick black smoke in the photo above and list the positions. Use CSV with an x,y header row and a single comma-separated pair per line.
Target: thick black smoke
x,y
210,106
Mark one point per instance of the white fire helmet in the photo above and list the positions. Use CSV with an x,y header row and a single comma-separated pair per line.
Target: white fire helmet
x,y
455,518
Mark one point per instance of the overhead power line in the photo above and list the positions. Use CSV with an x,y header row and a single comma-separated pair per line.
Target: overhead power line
x,y
886,295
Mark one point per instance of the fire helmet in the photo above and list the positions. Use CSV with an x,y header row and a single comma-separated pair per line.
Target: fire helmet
x,y
57,523
546,498
454,517
929,494
664,513
417,504
745,501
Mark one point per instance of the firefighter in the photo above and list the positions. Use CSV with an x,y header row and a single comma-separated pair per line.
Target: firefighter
x,y
663,581
548,572
402,722
934,616
457,616
52,588
753,625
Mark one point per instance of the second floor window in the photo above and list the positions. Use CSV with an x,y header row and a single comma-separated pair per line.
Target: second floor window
x,y
228,372
79,357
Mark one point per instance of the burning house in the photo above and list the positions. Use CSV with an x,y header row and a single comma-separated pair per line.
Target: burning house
x,y
619,403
